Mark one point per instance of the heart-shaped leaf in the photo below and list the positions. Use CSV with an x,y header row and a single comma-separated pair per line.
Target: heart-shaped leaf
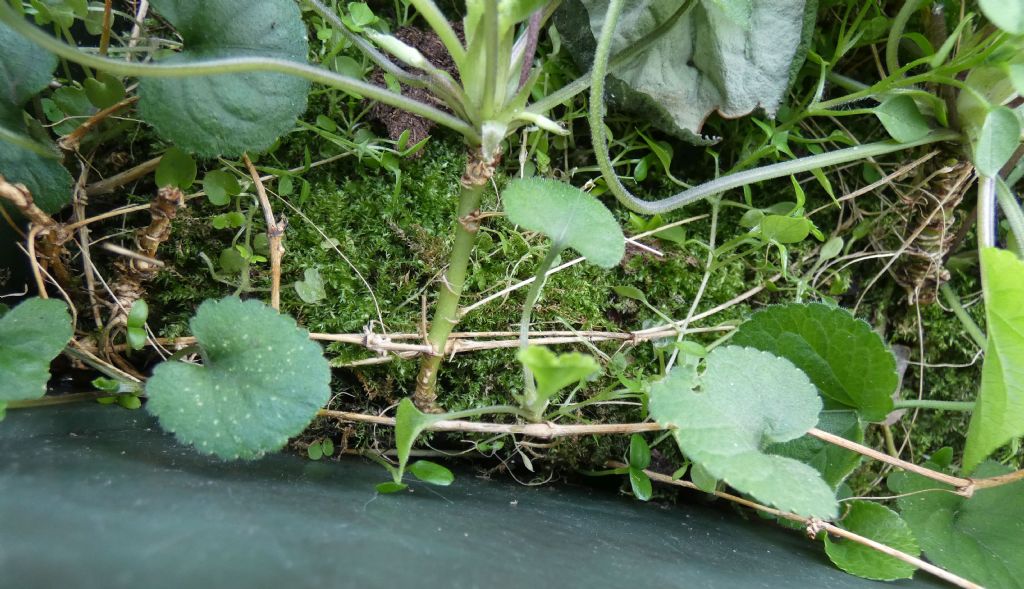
x,y
31,336
176,168
311,290
881,524
409,424
261,382
220,186
901,118
981,538
842,355
745,400
104,90
555,372
998,413
228,113
24,71
568,216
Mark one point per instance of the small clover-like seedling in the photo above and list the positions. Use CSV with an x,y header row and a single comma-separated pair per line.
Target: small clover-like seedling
x,y
176,168
724,418
320,448
135,327
552,373
311,290
570,218
639,459
32,334
261,382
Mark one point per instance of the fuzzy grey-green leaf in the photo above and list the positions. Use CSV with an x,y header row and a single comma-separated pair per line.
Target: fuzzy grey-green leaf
x,y
568,216
745,400
228,113
262,381
31,336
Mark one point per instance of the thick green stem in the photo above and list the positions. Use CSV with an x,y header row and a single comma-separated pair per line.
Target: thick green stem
x,y
446,311
530,387
1013,212
930,404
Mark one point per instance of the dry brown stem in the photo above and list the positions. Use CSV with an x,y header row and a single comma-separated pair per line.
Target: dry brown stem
x,y
275,234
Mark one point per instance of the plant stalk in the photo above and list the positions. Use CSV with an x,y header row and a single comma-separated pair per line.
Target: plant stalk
x,y
539,278
965,406
953,300
446,312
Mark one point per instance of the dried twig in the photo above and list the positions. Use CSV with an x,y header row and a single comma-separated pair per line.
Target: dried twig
x,y
112,183
815,525
70,141
275,234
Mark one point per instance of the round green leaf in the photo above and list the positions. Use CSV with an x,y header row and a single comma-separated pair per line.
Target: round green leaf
x,y
784,229
725,417
104,90
843,356
138,314
220,187
31,336
262,381
176,168
567,215
231,261
901,118
315,451
881,524
1005,14
998,138
228,113
328,447
430,472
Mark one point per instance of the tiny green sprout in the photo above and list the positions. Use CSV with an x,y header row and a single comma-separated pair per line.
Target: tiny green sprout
x,y
220,187
135,327
639,459
311,290
320,448
551,373
176,168
129,401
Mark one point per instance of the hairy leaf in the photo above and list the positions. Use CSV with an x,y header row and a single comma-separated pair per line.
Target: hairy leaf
x,y
567,215
998,413
998,138
24,71
881,524
745,400
981,538
842,355
834,463
1005,14
729,56
261,382
228,113
31,336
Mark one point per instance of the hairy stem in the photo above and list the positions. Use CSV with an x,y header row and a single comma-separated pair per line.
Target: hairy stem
x,y
539,278
446,311
932,404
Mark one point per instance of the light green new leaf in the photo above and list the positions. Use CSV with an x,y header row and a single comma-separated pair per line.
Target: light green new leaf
x,y
31,336
409,424
784,229
311,290
220,186
639,452
981,538
24,71
999,411
881,524
901,118
568,216
1005,14
176,168
228,113
834,463
842,355
998,138
261,382
729,56
554,373
745,400
431,472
